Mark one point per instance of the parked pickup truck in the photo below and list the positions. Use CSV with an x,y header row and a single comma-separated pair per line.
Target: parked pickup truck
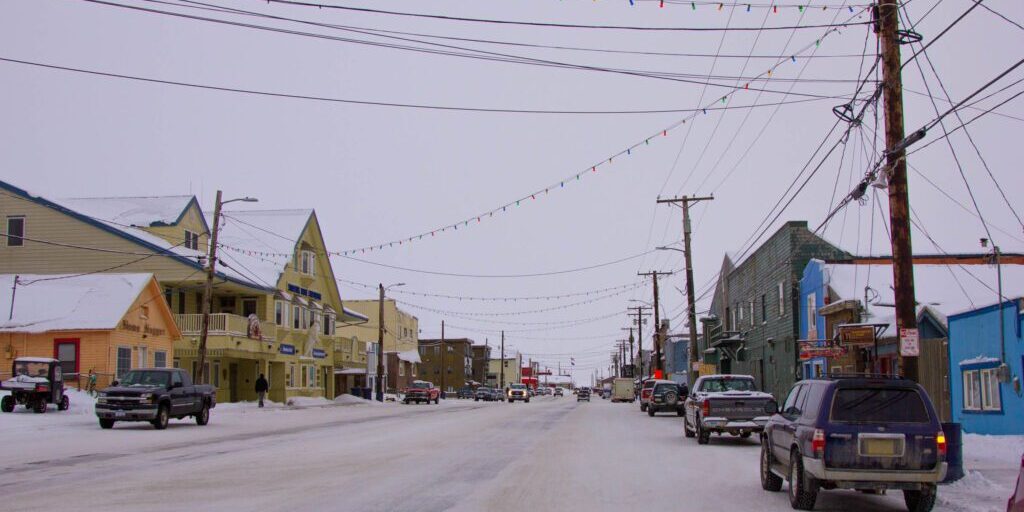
x,y
421,391
726,404
155,395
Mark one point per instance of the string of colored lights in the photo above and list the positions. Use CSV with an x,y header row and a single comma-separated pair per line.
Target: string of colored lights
x,y
403,291
514,313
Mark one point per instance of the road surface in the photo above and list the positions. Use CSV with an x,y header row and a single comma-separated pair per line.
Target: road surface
x,y
552,454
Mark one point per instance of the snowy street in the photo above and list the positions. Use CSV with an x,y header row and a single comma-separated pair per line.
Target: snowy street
x,y
550,454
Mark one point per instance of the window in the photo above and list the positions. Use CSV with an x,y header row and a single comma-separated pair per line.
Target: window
x,y
15,231
280,313
812,317
437,350
176,378
981,390
216,374
168,296
67,352
791,400
296,316
879,405
307,262
740,308
328,324
160,359
730,318
191,240
751,312
782,300
291,375
401,369
181,302
764,308
124,361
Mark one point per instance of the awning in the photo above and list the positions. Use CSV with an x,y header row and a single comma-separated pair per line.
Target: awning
x,y
410,356
350,371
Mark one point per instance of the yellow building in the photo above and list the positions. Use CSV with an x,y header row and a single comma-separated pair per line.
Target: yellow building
x,y
275,303
513,368
401,343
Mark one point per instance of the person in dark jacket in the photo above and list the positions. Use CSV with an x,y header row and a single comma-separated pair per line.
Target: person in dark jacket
x,y
261,388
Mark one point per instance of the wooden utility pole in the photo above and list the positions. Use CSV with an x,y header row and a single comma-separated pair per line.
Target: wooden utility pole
x,y
640,337
691,301
380,345
657,319
501,366
899,196
444,358
208,292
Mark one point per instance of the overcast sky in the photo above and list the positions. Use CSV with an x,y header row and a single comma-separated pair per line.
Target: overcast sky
x,y
376,174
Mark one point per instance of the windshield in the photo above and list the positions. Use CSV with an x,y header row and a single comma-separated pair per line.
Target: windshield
x,y
666,387
146,378
879,405
722,385
518,386
31,369
420,385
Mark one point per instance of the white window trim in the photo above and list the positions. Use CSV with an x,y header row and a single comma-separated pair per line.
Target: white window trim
x,y
782,300
117,360
164,352
812,314
981,392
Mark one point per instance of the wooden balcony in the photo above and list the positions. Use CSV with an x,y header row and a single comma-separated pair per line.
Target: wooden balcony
x,y
223,324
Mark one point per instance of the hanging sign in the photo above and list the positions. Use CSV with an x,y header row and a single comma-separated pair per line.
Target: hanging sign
x,y
810,349
910,345
857,335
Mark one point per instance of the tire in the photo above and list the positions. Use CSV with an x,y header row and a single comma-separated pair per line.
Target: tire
x,y
803,489
7,404
922,500
476,399
39,406
703,436
204,415
527,400
163,416
64,404
106,424
437,401
769,481
643,407
686,429
745,435
679,412
651,411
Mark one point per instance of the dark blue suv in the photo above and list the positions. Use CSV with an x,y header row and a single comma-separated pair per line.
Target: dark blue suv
x,y
855,432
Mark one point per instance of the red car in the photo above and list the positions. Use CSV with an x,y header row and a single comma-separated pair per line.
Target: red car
x,y
1016,503
421,391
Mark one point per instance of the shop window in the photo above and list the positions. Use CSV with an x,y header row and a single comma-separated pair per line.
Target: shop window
x,y
15,231
124,361
160,359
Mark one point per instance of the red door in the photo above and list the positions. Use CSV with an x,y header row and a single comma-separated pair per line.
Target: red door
x,y
67,352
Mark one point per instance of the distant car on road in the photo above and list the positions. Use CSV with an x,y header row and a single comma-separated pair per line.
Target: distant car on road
x,y
518,392
421,391
726,404
465,392
155,395
583,394
559,392
646,388
667,396
487,394
864,433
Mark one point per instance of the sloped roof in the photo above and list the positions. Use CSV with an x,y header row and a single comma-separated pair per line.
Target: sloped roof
x,y
942,290
133,211
67,302
269,236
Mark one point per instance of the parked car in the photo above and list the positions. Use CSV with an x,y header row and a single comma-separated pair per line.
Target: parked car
x,y
518,392
726,404
583,394
486,394
465,392
155,395
667,396
37,382
865,433
1016,503
421,391
559,392
646,388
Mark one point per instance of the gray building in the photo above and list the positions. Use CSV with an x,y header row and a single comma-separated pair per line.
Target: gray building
x,y
754,323
677,357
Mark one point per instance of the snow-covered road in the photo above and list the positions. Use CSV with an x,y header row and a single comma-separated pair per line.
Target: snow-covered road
x,y
550,454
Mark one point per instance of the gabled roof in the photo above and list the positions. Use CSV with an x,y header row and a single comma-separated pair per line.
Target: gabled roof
x,y
67,302
261,243
150,211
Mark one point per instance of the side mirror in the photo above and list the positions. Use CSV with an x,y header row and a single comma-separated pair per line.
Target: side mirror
x,y
115,383
176,385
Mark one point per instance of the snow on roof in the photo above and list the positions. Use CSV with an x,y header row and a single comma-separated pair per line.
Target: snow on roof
x,y
354,314
35,359
410,356
263,232
96,301
980,360
131,211
941,289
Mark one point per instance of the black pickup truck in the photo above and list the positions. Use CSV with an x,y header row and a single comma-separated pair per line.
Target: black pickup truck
x,y
155,395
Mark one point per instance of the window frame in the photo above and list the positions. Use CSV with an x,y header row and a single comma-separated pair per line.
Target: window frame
x,y
118,370
764,308
307,262
782,300
157,354
16,240
812,313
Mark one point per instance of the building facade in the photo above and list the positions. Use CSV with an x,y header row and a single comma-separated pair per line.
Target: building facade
x,y
481,355
447,363
509,368
401,336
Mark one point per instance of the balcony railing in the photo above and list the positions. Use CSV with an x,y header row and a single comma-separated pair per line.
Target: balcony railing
x,y
223,324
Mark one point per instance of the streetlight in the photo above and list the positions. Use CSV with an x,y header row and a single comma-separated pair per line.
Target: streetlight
x,y
208,287
667,248
380,340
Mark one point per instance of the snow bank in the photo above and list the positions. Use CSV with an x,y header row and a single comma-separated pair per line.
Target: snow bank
x,y
354,400
982,451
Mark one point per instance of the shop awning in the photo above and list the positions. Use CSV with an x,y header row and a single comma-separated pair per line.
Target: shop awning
x,y
350,371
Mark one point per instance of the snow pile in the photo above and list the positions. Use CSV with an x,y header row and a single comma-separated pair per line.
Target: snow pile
x,y
983,451
353,400
305,401
991,465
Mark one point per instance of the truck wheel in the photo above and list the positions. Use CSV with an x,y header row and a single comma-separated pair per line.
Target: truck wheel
x,y
643,407
922,500
106,424
703,436
527,400
162,417
803,489
650,411
679,412
769,481
7,404
64,404
204,415
437,401
686,429
40,406
745,435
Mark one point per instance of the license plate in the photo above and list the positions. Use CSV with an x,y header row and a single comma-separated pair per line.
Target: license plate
x,y
879,447
119,414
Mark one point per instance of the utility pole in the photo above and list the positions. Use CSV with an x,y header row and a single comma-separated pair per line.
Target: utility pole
x,y
657,320
899,196
640,337
691,313
501,381
380,345
444,358
14,291
208,292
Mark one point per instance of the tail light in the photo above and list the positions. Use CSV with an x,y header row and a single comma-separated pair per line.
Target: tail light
x,y
818,443
705,408
42,388
940,442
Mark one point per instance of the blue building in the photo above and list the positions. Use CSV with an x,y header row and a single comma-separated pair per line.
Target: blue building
x,y
980,402
677,359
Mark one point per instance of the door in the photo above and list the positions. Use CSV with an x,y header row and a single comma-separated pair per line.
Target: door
x,y
233,382
180,401
783,431
248,306
66,351
143,357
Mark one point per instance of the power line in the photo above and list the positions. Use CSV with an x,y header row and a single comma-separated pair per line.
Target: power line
x,y
547,24
499,276
496,298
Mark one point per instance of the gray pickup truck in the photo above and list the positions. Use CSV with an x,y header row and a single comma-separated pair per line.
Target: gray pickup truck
x,y
155,395
726,404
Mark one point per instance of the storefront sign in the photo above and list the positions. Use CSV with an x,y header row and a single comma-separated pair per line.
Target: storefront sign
x,y
151,331
910,345
287,349
857,335
320,354
810,349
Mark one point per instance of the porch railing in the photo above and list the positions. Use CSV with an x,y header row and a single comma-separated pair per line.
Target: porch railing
x,y
222,324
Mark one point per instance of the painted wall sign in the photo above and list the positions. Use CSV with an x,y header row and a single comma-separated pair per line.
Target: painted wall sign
x,y
287,349
319,353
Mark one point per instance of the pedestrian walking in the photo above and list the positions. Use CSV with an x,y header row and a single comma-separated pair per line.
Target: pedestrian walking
x,y
261,388
91,383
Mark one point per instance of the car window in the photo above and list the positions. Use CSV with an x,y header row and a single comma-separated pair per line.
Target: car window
x,y
176,378
791,400
879,405
811,404
722,385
